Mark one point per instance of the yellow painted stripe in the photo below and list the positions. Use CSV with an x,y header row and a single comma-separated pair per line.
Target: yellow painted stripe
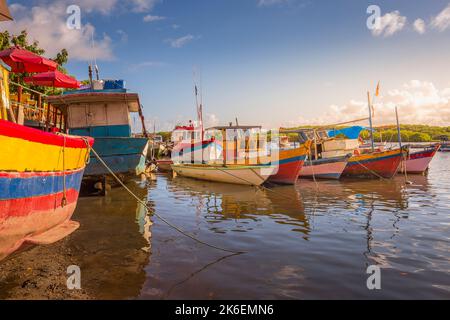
x,y
374,156
22,155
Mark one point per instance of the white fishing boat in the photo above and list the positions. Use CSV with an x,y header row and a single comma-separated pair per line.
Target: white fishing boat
x,y
236,160
253,175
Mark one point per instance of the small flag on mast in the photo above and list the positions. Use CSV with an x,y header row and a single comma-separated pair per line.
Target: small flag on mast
x,y
377,92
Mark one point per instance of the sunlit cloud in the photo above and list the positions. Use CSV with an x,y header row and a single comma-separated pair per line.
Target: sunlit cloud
x,y
48,26
182,41
420,26
418,102
390,24
442,21
151,18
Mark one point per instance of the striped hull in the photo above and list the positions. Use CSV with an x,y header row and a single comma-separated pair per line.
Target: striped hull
x,y
289,166
375,165
245,175
123,155
325,168
418,162
40,177
164,165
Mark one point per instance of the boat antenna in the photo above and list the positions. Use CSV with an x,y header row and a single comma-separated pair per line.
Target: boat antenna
x,y
94,57
198,97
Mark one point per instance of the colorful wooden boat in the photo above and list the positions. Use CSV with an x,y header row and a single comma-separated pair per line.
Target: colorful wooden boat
x,y
105,115
445,148
329,168
164,165
289,165
384,164
40,177
253,175
419,161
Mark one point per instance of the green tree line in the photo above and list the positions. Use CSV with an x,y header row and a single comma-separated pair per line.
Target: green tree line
x,y
409,133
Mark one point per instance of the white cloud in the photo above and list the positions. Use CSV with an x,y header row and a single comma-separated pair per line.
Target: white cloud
x,y
146,64
151,18
390,23
418,102
420,26
267,3
47,24
123,35
442,21
210,120
101,6
141,5
182,41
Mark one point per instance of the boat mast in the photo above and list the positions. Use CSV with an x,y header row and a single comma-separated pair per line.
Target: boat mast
x,y
398,128
370,121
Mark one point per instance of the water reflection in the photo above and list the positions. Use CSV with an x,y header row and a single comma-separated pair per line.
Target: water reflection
x,y
218,202
305,241
112,244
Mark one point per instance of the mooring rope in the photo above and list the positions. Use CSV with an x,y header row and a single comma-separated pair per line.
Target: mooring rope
x,y
156,214
371,171
64,199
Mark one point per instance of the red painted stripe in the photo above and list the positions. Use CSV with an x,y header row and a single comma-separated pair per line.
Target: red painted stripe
x,y
422,154
287,173
26,175
385,167
26,206
13,130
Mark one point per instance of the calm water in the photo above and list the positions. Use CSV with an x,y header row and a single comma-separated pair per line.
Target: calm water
x,y
302,242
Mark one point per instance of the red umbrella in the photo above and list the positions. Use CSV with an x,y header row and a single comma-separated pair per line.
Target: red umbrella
x,y
21,60
54,79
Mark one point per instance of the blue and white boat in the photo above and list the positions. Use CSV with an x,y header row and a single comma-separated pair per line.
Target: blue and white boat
x,y
103,112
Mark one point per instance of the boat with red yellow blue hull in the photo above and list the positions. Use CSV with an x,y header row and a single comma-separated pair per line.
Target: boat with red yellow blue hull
x,y
40,177
378,164
289,165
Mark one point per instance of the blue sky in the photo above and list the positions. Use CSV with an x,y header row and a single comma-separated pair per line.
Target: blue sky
x,y
275,62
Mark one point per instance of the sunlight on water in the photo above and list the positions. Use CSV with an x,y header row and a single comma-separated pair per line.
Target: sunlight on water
x,y
307,241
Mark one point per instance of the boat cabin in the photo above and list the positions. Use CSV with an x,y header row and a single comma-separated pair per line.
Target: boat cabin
x,y
326,147
98,113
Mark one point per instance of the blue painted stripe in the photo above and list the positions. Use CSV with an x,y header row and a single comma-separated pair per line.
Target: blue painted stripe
x,y
188,149
289,160
16,188
119,146
118,164
103,131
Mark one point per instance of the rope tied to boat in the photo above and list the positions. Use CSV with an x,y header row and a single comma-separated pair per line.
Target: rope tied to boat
x,y
87,159
64,198
156,214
